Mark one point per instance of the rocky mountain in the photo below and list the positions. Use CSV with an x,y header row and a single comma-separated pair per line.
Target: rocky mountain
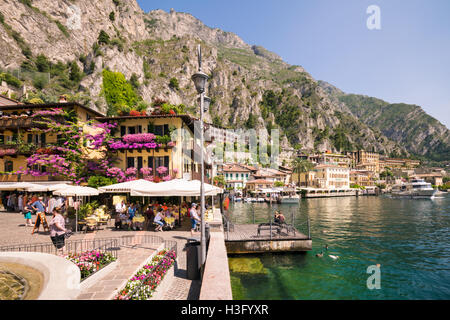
x,y
56,47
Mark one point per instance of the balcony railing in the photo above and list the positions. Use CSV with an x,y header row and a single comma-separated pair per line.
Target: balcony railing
x,y
11,122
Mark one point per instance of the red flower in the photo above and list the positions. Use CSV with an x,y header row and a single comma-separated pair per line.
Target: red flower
x,y
135,113
172,112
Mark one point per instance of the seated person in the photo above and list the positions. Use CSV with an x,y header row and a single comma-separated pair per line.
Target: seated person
x,y
159,220
276,218
117,222
281,217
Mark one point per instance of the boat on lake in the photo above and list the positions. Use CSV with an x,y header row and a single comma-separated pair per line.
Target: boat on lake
x,y
416,188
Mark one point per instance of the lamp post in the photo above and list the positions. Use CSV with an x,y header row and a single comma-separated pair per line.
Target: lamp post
x,y
200,78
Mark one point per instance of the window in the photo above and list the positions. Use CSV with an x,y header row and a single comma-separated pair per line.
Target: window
x,y
139,163
130,162
123,131
131,130
9,166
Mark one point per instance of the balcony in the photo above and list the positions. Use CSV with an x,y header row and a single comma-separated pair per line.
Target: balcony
x,y
198,176
13,150
13,122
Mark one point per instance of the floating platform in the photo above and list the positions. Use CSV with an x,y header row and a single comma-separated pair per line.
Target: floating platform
x,y
244,238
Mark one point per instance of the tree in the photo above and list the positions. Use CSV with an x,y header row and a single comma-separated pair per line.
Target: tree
x,y
251,121
302,166
103,37
219,181
42,63
75,73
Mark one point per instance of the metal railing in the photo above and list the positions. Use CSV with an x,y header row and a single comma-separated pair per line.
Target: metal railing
x,y
92,255
89,255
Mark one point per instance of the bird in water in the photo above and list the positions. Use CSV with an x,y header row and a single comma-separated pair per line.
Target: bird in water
x,y
333,257
319,255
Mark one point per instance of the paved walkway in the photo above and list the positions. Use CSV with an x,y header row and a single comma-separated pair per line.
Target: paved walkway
x,y
13,231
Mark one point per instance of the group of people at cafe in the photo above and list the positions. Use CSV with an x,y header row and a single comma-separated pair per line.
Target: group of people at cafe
x,y
133,216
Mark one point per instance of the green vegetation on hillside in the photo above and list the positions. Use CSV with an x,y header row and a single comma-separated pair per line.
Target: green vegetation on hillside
x,y
118,92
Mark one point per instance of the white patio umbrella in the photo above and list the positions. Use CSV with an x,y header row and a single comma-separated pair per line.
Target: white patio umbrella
x,y
18,186
76,191
126,187
176,187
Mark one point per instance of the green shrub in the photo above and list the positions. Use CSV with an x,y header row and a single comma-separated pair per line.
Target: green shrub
x,y
100,181
40,81
11,80
134,81
75,73
63,29
118,92
116,2
173,83
118,43
42,63
103,37
112,16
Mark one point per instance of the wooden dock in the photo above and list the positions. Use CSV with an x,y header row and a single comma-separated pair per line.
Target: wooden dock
x,y
244,238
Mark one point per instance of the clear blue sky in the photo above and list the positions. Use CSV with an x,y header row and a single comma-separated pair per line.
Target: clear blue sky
x,y
408,60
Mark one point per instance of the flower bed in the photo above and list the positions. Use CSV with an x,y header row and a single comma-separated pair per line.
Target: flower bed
x,y
90,262
142,285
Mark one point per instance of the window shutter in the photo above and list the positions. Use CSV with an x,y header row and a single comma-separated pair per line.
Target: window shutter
x,y
139,161
150,163
139,129
123,131
43,138
166,129
130,162
166,162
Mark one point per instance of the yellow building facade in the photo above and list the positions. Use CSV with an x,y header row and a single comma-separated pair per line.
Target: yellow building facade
x,y
178,156
18,142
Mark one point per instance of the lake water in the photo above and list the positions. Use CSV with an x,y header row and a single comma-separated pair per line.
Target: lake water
x,y
409,238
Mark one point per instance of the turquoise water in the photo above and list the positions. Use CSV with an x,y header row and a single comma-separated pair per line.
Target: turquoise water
x,y
409,238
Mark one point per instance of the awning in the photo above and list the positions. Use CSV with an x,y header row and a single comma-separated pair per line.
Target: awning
x,y
126,187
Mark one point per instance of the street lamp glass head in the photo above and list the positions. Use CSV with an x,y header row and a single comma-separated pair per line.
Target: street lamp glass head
x,y
206,103
200,79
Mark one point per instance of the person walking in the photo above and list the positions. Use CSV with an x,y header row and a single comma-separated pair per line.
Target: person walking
x,y
131,214
38,206
27,210
195,219
58,230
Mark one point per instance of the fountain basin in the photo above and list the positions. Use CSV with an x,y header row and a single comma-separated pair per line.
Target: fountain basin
x,y
48,277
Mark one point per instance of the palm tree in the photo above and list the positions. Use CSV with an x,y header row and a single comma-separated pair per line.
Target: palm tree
x,y
302,166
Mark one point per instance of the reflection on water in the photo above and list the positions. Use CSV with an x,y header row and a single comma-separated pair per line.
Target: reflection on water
x,y
408,237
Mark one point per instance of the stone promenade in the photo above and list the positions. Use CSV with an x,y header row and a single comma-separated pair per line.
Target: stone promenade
x,y
130,257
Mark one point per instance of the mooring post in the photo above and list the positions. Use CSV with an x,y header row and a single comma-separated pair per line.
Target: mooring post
x,y
309,229
271,229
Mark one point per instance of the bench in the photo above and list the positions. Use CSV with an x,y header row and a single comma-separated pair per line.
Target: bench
x,y
278,227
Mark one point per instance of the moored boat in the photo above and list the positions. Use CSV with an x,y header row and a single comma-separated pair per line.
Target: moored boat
x,y
416,188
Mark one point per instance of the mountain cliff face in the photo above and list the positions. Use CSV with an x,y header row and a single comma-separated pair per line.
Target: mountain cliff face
x,y
156,52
